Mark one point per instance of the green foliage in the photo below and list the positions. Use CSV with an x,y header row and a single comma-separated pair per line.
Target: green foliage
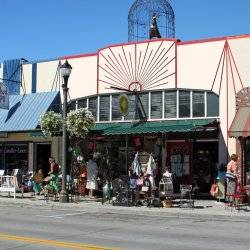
x,y
79,122
51,123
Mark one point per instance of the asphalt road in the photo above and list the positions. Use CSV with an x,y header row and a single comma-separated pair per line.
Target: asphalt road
x,y
34,228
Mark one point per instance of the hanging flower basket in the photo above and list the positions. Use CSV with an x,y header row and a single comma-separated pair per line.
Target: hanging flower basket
x,y
79,122
51,123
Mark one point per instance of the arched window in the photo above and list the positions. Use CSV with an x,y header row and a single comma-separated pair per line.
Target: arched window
x,y
212,104
116,115
93,106
156,105
163,104
198,104
170,104
184,103
104,108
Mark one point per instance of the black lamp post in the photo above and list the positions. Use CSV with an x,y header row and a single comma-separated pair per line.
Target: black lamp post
x,y
65,72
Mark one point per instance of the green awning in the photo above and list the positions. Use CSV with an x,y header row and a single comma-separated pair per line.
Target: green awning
x,y
37,134
190,125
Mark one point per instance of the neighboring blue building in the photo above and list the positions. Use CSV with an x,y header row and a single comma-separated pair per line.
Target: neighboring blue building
x,y
22,144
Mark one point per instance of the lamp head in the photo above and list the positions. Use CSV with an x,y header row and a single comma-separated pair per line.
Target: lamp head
x,y
65,69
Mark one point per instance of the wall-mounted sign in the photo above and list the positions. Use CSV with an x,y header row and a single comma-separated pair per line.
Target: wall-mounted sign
x,y
4,97
15,149
123,104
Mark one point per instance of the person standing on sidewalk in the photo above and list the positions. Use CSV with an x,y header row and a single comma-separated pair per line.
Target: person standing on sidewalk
x,y
54,173
231,176
92,172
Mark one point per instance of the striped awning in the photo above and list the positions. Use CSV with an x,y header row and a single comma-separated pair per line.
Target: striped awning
x,y
240,126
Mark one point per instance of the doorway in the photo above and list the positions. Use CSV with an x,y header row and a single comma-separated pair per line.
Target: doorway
x,y
43,152
205,160
246,167
179,159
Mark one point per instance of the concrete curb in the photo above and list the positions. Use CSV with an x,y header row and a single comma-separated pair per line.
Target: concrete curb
x,y
210,210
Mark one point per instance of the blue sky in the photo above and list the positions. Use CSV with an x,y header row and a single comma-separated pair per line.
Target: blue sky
x,y
43,29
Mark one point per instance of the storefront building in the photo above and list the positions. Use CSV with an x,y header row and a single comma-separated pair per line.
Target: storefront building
x,y
22,144
181,128
188,92
201,78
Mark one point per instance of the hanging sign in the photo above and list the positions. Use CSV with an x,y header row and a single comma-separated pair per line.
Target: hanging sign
x,y
4,96
123,104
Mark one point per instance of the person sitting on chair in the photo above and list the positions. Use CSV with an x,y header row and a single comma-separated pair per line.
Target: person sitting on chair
x,y
36,182
52,179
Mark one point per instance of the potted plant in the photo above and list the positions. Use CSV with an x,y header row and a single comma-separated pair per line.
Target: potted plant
x,y
168,202
79,122
51,123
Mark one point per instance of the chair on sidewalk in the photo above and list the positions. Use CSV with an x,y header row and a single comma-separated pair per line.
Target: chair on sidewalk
x,y
234,201
186,199
1,175
9,184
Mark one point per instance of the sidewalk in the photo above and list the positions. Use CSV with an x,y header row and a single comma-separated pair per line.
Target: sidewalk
x,y
204,209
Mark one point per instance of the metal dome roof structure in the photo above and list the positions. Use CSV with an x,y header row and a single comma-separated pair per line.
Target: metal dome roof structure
x,y
140,17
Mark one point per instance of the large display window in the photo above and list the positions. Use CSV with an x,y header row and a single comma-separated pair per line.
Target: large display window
x,y
16,156
160,104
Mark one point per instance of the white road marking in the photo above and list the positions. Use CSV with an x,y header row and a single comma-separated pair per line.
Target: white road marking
x,y
60,216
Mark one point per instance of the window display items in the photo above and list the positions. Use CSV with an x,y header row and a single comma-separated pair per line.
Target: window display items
x,y
151,166
180,163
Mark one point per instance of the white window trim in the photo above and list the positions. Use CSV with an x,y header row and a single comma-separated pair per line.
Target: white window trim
x,y
98,108
163,105
191,104
149,106
205,104
87,103
177,104
110,108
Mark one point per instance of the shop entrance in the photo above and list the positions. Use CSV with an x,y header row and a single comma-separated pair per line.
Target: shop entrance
x,y
43,152
205,160
247,162
179,158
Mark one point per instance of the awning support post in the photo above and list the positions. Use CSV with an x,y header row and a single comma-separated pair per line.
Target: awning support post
x,y
126,158
163,153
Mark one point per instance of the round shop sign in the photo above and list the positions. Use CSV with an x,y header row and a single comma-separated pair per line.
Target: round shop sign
x,y
123,104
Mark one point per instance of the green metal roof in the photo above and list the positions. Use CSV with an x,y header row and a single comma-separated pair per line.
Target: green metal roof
x,y
151,127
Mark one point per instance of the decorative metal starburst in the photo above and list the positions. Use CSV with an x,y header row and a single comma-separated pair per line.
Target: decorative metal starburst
x,y
139,66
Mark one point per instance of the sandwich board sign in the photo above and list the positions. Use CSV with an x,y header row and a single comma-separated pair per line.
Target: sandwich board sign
x,y
4,96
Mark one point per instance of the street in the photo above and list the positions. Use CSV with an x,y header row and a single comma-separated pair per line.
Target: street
x,y
51,228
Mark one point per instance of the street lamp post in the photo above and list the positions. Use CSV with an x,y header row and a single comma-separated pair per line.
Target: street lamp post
x,y
65,72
